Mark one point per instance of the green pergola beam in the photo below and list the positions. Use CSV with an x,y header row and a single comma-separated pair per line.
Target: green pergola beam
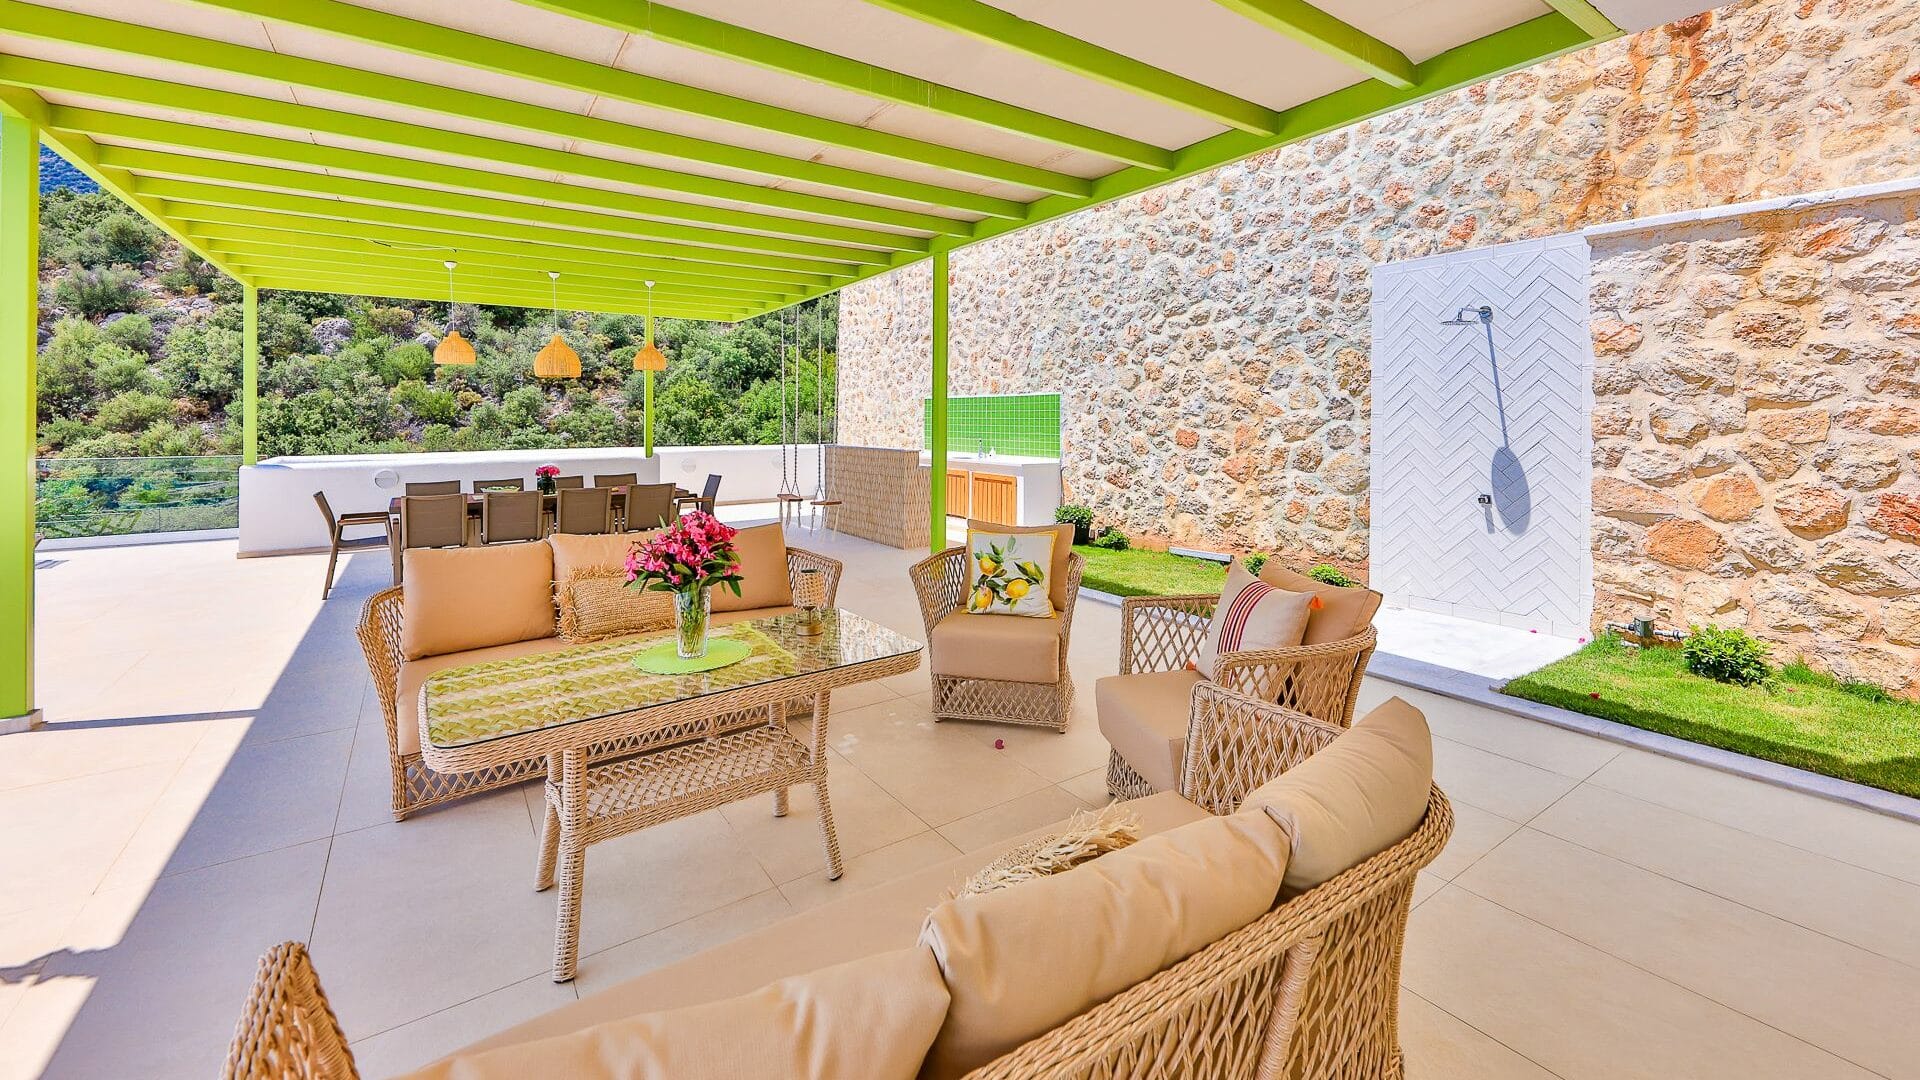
x,y
389,31
225,105
407,290
240,241
294,261
1325,34
19,426
151,43
294,212
987,23
1586,17
716,38
190,142
413,204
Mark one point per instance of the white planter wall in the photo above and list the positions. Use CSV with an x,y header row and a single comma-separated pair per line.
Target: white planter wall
x,y
1439,442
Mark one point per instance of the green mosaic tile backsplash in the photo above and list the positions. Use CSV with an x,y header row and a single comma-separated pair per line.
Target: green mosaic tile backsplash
x,y
1023,425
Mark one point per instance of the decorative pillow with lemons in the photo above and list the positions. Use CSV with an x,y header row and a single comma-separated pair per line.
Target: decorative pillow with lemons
x,y
1009,573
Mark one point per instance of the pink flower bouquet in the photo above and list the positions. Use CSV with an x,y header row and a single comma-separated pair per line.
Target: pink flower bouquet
x,y
693,553
546,472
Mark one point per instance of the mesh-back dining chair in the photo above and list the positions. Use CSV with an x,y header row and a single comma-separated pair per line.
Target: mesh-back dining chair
x,y
619,479
563,482
649,506
584,510
433,521
512,483
707,497
507,516
337,526
434,487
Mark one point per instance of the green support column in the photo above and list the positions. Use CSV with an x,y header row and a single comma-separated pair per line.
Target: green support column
x,y
646,387
250,376
938,481
19,317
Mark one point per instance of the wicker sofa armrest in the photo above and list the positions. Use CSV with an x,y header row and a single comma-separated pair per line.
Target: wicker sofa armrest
x,y
379,633
287,1030
1076,567
1322,681
1235,743
940,581
799,559
1163,633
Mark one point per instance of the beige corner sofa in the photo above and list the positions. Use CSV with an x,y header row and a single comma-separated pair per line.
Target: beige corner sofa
x,y
469,605
1254,930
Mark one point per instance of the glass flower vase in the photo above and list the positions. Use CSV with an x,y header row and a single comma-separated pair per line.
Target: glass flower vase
x,y
691,610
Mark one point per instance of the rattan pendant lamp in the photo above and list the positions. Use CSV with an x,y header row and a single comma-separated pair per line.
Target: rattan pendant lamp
x,y
453,349
649,358
557,360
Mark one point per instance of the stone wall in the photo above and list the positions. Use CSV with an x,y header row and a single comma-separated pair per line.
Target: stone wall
x,y
1210,338
1757,430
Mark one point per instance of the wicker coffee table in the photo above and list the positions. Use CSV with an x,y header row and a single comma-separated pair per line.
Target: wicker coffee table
x,y
560,703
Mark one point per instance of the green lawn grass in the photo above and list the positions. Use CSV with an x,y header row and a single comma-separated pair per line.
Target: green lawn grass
x,y
1799,718
1149,573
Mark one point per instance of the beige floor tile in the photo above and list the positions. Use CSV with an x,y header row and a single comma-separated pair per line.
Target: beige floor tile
x,y
366,799
1834,898
681,940
865,817
262,797
1568,753
662,875
1036,810
938,774
1424,886
411,1046
1582,1014
1089,787
875,867
59,839
64,751
1777,973
1440,1046
28,939
1475,832
1500,785
1874,841
1053,755
860,695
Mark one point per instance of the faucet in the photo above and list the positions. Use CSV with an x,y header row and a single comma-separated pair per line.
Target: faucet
x,y
980,448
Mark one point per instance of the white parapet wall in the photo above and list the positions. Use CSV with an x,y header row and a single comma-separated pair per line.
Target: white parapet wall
x,y
278,514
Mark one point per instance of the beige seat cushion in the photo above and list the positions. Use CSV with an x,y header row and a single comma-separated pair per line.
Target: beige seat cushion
x,y
1021,961
1062,547
763,571
1144,717
1010,650
471,598
1359,795
1344,611
415,673
868,919
871,1017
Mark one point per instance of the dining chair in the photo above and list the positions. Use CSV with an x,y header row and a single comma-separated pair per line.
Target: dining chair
x,y
620,479
428,521
584,510
708,497
434,487
337,526
512,483
649,506
562,482
507,516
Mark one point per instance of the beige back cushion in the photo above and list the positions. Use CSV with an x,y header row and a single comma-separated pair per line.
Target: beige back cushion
x,y
763,571
1343,613
1021,961
597,604
872,1017
1062,547
1359,795
573,552
457,599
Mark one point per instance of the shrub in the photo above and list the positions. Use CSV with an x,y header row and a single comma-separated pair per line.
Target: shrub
x,y
94,293
117,370
1111,539
1726,654
404,362
134,411
65,372
203,362
1074,515
1255,561
426,404
118,238
1331,575
194,276
134,332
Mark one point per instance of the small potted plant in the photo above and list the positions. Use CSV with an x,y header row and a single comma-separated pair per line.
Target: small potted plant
x,y
1080,518
543,478
687,559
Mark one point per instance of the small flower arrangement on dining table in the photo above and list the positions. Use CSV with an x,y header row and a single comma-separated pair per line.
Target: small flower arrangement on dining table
x,y
544,477
687,558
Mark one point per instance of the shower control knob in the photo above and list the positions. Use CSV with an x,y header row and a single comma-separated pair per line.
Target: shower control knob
x,y
1483,500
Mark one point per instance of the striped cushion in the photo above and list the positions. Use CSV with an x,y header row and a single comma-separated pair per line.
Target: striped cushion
x,y
1253,615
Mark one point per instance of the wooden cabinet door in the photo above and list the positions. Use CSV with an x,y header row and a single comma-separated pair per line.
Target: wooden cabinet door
x,y
996,498
959,493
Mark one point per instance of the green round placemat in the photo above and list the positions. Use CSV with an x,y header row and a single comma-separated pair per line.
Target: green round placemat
x,y
664,658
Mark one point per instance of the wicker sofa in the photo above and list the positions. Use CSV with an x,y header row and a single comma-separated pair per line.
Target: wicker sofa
x,y
1308,989
494,572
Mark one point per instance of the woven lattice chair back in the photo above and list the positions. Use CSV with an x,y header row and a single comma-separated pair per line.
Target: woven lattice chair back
x,y
649,506
287,1030
584,510
507,516
433,520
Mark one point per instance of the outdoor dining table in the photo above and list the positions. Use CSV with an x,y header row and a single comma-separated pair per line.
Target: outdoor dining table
x,y
697,741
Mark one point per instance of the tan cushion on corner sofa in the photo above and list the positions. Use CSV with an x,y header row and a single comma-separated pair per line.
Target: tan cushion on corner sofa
x,y
867,919
871,1017
1145,716
1344,610
1357,796
1021,961
1062,547
967,646
457,599
762,550
573,553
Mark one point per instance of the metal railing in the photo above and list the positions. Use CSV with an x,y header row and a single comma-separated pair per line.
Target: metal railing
x,y
117,496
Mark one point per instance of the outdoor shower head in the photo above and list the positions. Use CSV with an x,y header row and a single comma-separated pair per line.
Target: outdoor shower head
x,y
1467,316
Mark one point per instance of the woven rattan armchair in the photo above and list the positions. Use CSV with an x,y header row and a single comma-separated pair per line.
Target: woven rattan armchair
x,y
941,582
416,787
287,1030
1165,633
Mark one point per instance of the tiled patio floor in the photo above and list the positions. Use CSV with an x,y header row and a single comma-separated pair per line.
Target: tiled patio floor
x,y
217,783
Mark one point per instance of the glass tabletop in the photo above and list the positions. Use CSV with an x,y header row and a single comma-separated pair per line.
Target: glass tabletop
x,y
498,699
